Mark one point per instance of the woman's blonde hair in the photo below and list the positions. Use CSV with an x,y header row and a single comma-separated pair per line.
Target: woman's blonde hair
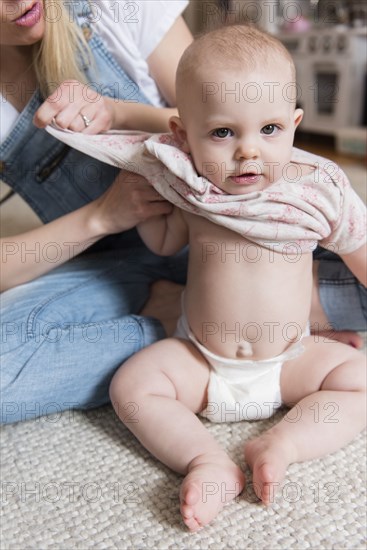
x,y
62,51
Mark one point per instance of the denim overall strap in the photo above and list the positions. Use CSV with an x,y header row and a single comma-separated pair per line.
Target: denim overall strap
x,y
52,178
124,87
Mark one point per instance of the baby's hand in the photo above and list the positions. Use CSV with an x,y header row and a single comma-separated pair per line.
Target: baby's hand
x,y
76,106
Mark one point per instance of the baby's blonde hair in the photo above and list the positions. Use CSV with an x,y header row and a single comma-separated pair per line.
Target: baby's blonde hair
x,y
62,50
230,47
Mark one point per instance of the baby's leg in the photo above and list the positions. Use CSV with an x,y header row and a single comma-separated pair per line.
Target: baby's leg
x,y
328,385
156,394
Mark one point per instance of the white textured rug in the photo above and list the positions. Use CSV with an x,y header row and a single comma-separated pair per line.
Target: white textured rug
x,y
80,480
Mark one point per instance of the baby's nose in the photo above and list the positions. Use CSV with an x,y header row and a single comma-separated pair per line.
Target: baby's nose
x,y
247,151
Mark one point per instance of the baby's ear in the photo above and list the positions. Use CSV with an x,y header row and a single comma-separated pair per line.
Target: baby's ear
x,y
178,130
298,116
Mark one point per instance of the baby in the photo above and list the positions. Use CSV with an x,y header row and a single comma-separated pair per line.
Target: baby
x,y
253,215
242,347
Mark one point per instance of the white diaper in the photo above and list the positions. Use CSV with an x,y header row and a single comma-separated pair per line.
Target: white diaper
x,y
241,389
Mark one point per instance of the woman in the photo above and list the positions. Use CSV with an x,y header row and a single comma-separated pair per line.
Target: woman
x,y
67,325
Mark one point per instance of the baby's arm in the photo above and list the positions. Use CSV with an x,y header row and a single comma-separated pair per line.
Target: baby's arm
x,y
165,235
357,263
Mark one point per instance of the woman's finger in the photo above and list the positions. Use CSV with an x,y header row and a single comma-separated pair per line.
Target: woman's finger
x,y
77,124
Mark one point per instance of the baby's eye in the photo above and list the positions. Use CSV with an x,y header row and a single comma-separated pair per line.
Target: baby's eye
x,y
222,133
269,129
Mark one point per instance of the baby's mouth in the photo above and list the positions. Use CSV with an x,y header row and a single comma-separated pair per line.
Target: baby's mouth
x,y
247,178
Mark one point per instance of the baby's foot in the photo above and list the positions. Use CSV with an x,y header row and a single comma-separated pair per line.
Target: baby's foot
x,y
268,459
212,480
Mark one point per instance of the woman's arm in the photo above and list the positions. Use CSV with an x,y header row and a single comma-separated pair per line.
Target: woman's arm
x,y
162,64
72,98
163,61
140,117
129,200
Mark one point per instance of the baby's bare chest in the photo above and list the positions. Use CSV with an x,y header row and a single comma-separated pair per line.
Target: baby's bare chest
x,y
214,247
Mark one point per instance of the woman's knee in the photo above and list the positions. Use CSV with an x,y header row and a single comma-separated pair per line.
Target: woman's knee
x,y
343,298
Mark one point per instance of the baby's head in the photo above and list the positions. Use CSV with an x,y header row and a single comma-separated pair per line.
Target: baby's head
x,y
236,99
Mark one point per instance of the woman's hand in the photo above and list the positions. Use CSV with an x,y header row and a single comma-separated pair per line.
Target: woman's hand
x,y
77,107
129,201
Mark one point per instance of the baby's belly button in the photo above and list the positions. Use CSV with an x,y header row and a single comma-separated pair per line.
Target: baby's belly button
x,y
244,350
247,350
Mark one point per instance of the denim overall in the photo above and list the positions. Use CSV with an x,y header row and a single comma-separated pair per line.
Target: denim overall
x,y
64,335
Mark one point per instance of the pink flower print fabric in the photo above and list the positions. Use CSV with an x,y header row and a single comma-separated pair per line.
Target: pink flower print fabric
x,y
319,207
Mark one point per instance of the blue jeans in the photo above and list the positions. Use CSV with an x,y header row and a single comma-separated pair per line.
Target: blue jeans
x,y
64,335
343,298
